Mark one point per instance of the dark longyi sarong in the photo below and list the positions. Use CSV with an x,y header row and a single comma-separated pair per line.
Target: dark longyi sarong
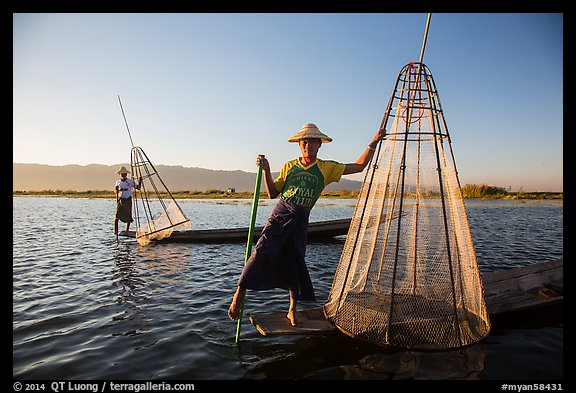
x,y
277,260
124,210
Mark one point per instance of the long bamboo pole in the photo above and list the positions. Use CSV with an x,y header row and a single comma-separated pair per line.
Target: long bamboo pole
x,y
425,37
249,241
125,121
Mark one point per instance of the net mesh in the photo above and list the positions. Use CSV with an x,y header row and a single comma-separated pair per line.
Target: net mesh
x,y
156,212
408,275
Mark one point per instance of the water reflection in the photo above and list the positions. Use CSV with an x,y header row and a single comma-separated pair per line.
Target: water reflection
x,y
165,262
143,276
128,283
335,356
466,363
123,274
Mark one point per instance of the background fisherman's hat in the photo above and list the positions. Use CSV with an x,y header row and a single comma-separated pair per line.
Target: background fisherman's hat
x,y
122,170
310,130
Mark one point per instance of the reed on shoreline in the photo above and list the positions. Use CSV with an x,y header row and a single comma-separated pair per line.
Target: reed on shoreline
x,y
469,191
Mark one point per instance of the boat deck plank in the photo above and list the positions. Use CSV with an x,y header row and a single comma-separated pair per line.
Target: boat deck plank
x,y
311,321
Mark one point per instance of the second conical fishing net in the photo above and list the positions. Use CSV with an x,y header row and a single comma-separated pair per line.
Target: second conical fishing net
x,y
156,212
408,275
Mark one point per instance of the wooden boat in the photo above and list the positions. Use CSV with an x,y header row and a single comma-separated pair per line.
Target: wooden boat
x,y
525,291
316,230
509,294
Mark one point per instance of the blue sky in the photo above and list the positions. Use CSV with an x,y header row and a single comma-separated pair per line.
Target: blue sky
x,y
214,90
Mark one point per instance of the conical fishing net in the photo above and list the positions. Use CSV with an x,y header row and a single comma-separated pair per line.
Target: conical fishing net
x,y
408,275
156,212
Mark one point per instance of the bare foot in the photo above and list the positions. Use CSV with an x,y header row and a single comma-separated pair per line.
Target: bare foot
x,y
235,306
292,318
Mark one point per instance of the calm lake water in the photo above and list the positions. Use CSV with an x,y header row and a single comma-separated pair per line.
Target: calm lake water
x,y
88,307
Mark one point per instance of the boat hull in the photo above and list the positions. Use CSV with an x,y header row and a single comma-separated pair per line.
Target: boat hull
x,y
316,230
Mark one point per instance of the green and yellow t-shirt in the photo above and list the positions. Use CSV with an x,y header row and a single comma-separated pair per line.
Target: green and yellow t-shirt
x,y
303,185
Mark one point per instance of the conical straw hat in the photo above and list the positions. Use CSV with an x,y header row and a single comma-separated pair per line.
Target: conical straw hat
x,y
122,170
310,131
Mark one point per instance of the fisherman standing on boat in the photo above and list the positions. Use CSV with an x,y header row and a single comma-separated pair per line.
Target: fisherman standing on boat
x,y
123,190
277,260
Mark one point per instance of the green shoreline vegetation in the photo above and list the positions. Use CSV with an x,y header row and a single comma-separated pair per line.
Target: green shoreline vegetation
x,y
469,191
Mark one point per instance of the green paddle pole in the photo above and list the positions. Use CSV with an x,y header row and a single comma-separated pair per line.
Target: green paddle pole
x,y
250,236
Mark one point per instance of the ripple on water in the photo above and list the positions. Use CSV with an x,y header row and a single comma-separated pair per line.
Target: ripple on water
x,y
86,306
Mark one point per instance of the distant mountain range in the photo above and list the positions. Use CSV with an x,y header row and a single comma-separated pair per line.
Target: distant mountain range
x,y
39,177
